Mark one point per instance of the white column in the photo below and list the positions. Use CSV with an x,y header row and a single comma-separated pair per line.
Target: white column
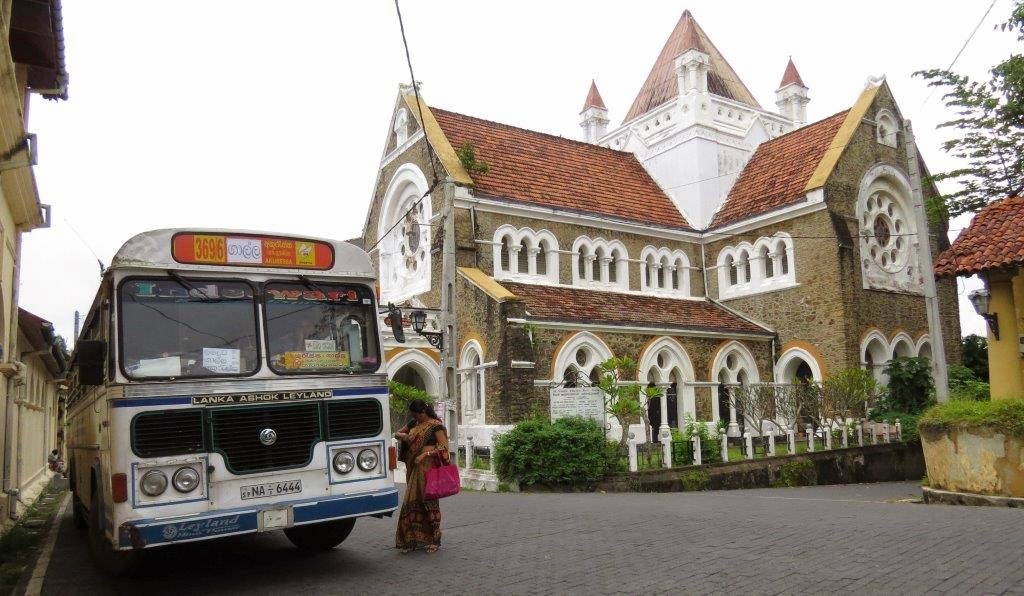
x,y
771,442
663,429
604,264
531,259
513,258
899,430
588,267
828,436
749,442
846,437
810,438
716,412
860,434
696,450
791,436
725,447
469,452
734,427
632,455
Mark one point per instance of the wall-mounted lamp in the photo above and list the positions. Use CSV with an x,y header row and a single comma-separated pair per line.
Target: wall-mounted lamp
x,y
980,300
419,322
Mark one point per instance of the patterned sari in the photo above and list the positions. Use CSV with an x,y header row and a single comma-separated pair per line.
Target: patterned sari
x,y
420,521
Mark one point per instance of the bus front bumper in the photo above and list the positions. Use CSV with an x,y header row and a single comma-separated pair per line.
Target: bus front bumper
x,y
146,533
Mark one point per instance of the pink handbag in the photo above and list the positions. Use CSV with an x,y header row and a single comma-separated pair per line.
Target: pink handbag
x,y
442,481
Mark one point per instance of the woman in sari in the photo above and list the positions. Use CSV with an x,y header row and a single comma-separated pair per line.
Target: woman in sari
x,y
426,441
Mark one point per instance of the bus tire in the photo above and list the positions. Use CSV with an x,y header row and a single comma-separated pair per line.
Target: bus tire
x,y
322,536
113,562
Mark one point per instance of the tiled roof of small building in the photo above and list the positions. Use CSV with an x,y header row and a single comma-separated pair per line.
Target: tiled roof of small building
x,y
661,85
777,173
559,303
541,169
995,239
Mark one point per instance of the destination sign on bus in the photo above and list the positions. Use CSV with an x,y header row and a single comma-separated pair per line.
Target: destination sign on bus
x,y
251,251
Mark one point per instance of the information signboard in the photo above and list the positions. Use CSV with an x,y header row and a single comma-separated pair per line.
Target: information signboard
x,y
587,402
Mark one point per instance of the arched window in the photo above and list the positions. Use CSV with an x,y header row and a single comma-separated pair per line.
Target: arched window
x,y
581,262
780,248
652,273
472,381
403,232
613,267
681,276
523,258
665,280
542,258
599,264
766,263
744,266
506,252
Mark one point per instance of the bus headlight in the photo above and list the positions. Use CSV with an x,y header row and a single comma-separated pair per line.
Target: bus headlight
x,y
344,462
367,460
185,480
153,483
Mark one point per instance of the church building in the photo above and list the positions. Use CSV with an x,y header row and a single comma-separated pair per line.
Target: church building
x,y
714,241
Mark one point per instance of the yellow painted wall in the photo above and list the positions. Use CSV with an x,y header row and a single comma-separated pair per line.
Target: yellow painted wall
x,y
1005,364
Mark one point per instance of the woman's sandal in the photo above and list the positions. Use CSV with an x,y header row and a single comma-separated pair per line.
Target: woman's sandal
x,y
433,548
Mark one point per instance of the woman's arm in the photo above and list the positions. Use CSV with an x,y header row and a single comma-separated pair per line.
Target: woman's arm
x,y
441,446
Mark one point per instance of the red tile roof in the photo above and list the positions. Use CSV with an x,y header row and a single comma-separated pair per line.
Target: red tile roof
x,y
995,239
593,99
549,171
661,85
630,310
791,76
778,171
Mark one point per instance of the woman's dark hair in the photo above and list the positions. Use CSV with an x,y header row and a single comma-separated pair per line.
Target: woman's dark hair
x,y
418,406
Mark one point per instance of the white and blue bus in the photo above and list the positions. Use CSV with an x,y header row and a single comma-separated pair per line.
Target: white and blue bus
x,y
226,383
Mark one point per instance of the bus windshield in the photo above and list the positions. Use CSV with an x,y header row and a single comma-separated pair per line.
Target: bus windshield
x,y
320,328
188,328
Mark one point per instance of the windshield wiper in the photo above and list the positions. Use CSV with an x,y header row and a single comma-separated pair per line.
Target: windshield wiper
x,y
191,288
312,285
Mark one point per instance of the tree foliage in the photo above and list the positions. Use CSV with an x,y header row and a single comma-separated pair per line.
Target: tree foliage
x,y
974,353
989,126
624,398
910,384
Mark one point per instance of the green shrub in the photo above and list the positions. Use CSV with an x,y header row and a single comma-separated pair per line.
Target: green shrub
x,y
1004,415
907,420
695,480
567,451
796,473
964,385
910,383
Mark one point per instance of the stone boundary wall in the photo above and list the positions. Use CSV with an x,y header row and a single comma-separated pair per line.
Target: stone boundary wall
x,y
871,463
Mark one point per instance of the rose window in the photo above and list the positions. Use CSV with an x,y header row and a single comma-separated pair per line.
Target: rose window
x,y
412,249
884,227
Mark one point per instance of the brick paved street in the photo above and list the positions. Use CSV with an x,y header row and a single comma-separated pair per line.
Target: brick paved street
x,y
824,539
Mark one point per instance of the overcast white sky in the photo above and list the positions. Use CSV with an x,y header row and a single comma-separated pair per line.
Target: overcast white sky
x,y
272,115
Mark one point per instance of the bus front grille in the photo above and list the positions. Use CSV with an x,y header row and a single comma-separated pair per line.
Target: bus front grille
x,y
239,435
168,432
353,419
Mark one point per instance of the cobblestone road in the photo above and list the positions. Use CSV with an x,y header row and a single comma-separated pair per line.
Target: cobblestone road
x,y
856,539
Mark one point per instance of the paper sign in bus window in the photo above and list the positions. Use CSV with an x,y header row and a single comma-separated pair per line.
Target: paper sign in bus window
x,y
169,366
222,360
321,345
315,360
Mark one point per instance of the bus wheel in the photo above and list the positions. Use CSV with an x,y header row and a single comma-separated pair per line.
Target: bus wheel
x,y
118,563
322,536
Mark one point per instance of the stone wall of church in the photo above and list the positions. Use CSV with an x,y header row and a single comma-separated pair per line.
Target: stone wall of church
x,y
487,223
701,351
417,155
890,312
813,311
829,308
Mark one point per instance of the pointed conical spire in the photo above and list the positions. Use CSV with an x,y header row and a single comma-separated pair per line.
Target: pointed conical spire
x,y
689,39
791,75
593,98
661,87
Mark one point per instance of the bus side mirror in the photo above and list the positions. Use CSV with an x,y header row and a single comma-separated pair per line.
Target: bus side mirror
x,y
397,329
91,354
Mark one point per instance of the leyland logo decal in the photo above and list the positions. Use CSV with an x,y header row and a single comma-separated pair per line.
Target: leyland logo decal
x,y
198,529
254,398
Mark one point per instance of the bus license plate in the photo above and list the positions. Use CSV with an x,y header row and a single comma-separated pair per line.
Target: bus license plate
x,y
271,489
